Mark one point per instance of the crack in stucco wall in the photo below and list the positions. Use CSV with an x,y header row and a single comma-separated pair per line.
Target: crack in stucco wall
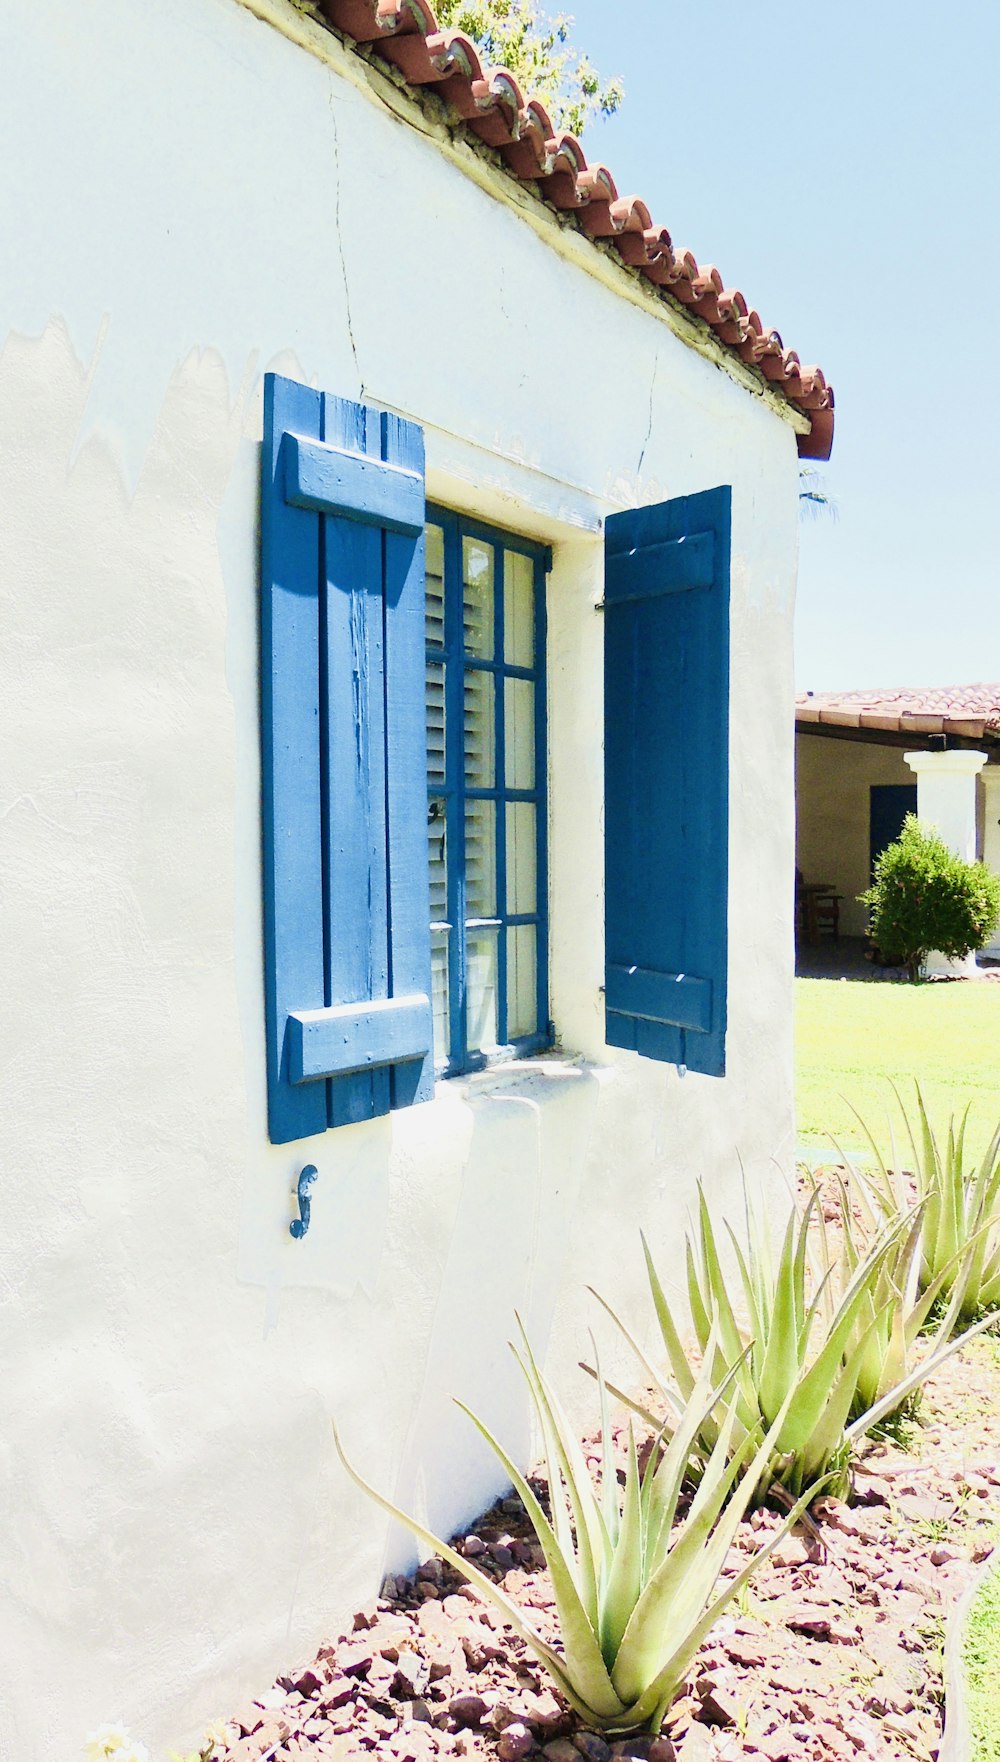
x,y
338,228
649,425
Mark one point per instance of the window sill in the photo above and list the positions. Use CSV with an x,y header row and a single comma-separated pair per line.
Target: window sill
x,y
506,1076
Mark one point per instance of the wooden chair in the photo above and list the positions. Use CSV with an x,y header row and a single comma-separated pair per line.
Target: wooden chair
x,y
826,915
817,910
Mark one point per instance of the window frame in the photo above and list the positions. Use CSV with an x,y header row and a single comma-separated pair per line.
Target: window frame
x,y
456,527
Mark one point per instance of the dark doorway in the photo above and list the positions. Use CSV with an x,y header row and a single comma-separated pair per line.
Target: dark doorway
x,y
890,804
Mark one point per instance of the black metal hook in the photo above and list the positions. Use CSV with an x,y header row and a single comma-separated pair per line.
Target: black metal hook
x,y
300,1225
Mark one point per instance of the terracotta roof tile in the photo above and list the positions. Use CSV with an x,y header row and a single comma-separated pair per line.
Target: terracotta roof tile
x,y
969,710
406,33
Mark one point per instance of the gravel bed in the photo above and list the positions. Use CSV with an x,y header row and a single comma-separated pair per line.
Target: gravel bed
x,y
834,1650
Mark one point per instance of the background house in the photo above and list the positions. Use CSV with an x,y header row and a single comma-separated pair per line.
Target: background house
x,y
865,759
461,324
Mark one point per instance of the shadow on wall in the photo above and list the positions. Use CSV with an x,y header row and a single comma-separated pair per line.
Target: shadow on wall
x,y
526,1164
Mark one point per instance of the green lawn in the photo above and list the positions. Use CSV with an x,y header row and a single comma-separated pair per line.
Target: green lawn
x,y
853,1035
982,1667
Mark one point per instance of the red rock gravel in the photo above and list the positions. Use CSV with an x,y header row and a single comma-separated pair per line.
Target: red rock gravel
x,y
832,1652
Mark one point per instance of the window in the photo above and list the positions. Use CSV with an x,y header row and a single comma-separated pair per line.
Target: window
x,y
486,807
379,965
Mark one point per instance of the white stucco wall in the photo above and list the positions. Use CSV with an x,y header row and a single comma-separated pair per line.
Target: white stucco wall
x,y
203,200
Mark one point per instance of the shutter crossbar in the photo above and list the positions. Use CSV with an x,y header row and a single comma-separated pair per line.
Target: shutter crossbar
x,y
678,565
681,999
357,1037
353,485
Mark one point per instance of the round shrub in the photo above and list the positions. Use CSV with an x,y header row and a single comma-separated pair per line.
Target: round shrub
x,y
924,896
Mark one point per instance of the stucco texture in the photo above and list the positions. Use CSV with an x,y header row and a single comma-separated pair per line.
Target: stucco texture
x,y
204,200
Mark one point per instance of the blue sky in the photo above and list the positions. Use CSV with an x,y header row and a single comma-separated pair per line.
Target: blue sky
x,y
840,164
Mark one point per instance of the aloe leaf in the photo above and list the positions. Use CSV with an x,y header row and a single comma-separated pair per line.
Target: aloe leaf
x,y
801,1253
827,1438
913,1380
671,1589
749,1288
706,1397
556,1665
865,1279
681,1580
812,1393
624,1581
780,1366
960,1277
652,1705
644,1413
650,1370
730,1338
609,1476
559,1503
592,1541
583,1663
675,1352
700,1319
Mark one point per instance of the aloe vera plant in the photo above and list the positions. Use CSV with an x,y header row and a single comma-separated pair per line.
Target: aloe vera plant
x,y
959,1248
636,1583
819,1360
906,1324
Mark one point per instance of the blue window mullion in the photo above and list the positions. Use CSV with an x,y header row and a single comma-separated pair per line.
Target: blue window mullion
x,y
476,664
500,780
534,796
542,564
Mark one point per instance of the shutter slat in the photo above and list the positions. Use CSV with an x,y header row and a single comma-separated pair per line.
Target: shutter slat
x,y
667,779
660,997
679,565
357,928
337,480
350,1038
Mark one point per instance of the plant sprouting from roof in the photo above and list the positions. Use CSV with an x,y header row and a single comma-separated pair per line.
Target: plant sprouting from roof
x,y
538,50
636,1580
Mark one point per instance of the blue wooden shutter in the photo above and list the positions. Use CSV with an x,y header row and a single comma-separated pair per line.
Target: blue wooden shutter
x,y
666,692
346,913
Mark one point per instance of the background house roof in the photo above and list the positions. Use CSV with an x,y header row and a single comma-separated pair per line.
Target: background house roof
x,y
406,34
970,711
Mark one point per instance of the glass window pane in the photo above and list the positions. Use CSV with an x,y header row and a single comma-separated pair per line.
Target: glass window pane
x,y
435,717
522,858
522,981
437,859
480,761
518,609
519,733
434,590
481,992
477,598
439,996
480,859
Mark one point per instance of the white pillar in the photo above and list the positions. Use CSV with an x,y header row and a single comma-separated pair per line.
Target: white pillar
x,y
991,838
946,803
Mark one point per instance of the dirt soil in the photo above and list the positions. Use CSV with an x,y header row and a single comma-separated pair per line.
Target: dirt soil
x,y
833,1652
